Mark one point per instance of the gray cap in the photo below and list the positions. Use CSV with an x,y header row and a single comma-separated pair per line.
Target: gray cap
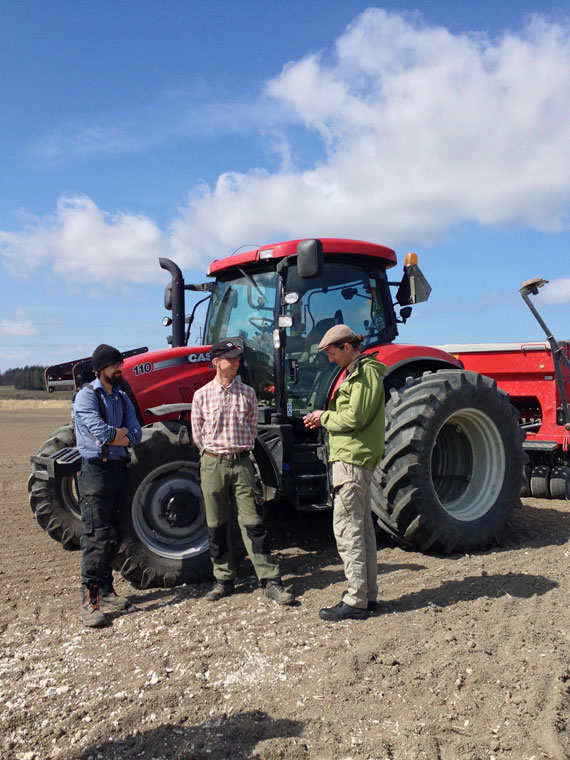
x,y
337,334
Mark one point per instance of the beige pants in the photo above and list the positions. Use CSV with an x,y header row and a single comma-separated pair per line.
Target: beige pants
x,y
354,532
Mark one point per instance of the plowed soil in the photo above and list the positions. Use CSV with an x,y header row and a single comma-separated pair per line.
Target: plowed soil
x,y
467,659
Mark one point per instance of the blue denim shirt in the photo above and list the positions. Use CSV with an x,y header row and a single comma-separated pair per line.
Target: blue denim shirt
x,y
92,432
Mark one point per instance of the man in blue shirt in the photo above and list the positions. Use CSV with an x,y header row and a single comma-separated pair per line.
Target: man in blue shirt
x,y
105,426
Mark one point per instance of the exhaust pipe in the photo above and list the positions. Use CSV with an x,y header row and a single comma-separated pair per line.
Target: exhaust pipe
x,y
174,301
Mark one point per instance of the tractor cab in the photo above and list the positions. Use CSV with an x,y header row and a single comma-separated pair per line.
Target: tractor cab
x,y
279,301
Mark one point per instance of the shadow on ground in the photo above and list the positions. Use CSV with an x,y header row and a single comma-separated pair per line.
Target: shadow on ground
x,y
232,737
473,587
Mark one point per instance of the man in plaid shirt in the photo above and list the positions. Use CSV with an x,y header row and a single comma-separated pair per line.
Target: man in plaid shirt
x,y
224,426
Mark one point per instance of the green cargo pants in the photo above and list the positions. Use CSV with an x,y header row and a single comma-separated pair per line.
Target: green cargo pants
x,y
224,482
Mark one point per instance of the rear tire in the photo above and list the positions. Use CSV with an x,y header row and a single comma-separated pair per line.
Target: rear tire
x,y
55,502
451,471
164,536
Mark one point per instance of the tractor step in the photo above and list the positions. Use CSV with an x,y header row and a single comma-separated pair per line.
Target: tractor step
x,y
64,462
311,477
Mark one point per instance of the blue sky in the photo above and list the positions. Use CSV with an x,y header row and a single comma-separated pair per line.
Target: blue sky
x,y
133,130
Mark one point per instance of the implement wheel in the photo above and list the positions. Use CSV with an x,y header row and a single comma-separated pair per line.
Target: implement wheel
x,y
540,482
560,482
451,471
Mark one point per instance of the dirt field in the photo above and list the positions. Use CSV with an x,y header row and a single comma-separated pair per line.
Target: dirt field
x,y
468,659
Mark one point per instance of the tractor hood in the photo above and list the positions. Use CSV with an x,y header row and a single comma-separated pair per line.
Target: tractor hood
x,y
167,376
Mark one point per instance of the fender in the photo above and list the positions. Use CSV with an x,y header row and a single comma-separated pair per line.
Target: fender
x,y
397,356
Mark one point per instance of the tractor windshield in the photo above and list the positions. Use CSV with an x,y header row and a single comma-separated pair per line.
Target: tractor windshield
x,y
244,307
344,294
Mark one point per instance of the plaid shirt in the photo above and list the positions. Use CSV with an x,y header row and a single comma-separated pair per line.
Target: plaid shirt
x,y
224,420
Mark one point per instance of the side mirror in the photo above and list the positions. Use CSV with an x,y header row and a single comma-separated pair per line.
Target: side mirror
x,y
309,259
405,313
414,288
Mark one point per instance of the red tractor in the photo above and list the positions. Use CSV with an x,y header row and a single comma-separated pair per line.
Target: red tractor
x,y
536,375
451,471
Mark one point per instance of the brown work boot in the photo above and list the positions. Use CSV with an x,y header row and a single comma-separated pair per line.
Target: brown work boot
x,y
219,590
91,614
274,590
110,601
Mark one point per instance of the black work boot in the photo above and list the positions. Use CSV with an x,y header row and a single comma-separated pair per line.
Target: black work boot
x,y
343,611
110,601
373,604
219,590
91,614
274,590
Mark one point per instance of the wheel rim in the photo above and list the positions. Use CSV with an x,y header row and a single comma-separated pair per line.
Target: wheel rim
x,y
168,513
468,464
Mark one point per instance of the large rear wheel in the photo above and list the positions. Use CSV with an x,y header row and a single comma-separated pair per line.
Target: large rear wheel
x,y
452,464
164,539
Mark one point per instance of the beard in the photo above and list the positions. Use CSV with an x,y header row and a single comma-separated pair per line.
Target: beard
x,y
112,378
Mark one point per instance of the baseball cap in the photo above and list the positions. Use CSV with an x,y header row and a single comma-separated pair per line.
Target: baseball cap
x,y
226,349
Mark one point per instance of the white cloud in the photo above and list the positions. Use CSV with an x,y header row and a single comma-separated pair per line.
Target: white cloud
x,y
422,129
85,244
19,326
557,291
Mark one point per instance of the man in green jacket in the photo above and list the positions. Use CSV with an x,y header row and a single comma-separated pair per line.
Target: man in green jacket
x,y
355,423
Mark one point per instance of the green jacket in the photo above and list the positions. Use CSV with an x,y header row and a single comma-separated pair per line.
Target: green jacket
x,y
355,416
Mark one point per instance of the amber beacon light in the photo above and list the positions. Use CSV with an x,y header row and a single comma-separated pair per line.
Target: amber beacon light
x,y
411,260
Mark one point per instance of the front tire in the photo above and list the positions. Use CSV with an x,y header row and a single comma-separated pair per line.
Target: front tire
x,y
451,471
164,536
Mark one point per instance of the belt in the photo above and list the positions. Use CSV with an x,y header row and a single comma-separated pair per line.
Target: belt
x,y
230,457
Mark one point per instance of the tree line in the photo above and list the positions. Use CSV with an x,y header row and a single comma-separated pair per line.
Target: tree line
x,y
25,378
